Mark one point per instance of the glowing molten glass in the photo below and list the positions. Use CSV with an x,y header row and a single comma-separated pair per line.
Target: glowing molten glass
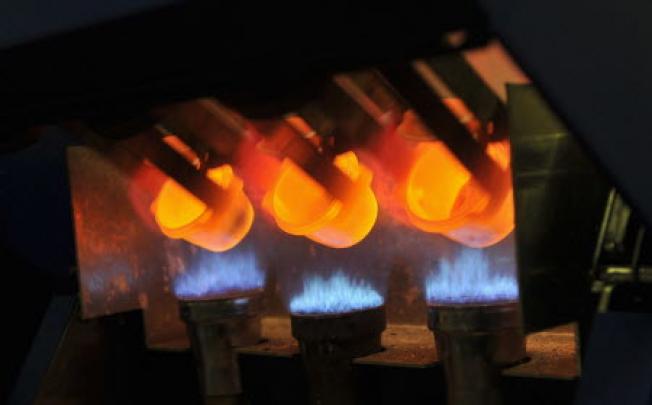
x,y
442,196
333,295
469,280
302,206
438,195
180,215
219,274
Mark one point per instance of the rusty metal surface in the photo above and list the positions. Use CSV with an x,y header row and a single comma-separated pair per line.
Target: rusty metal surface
x,y
552,353
278,341
121,267
405,346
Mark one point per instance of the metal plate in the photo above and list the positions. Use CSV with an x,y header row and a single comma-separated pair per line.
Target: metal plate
x,y
121,267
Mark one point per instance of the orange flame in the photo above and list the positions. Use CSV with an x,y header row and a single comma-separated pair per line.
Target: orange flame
x,y
302,206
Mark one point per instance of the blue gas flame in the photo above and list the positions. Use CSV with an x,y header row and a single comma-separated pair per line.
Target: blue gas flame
x,y
469,279
217,274
335,294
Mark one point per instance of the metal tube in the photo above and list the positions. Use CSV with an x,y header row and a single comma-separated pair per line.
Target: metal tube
x,y
474,342
215,328
328,345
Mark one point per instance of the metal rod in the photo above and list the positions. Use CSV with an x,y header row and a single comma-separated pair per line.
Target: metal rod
x,y
608,211
417,93
636,254
350,87
462,80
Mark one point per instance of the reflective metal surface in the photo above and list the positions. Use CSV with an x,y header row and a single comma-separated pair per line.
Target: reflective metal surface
x,y
121,267
559,202
474,342
216,327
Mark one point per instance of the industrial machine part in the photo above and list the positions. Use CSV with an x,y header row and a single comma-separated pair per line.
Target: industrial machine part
x,y
560,199
216,327
329,343
474,341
